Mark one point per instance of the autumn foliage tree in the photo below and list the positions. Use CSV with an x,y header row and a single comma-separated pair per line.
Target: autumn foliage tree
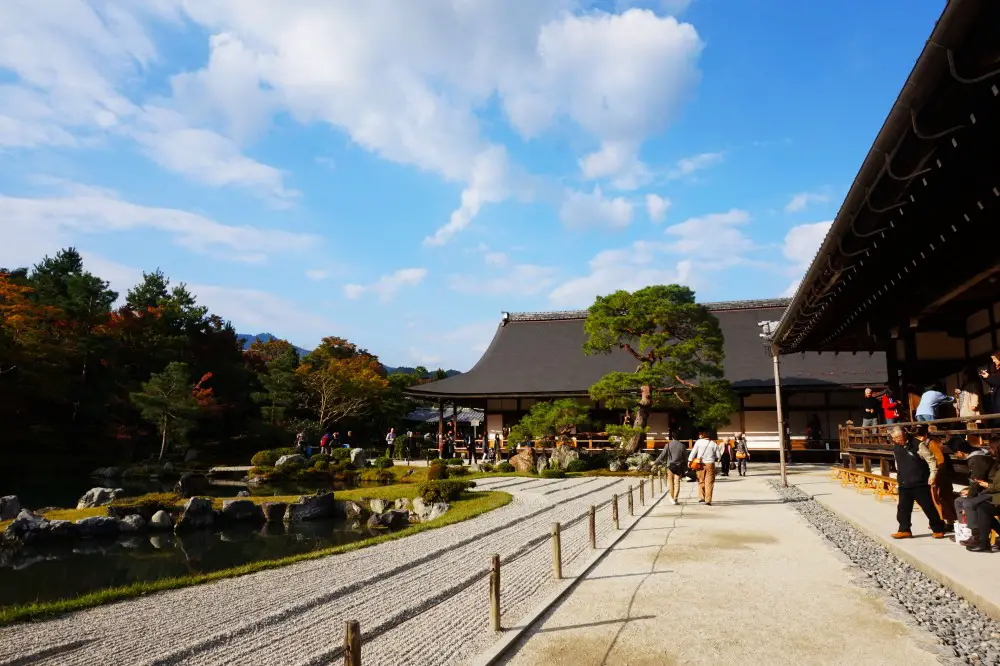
x,y
340,381
677,346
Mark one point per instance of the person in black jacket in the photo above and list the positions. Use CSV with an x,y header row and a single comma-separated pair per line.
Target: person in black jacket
x,y
979,462
912,478
991,376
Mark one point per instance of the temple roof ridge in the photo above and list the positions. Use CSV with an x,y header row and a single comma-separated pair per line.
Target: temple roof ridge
x,y
717,306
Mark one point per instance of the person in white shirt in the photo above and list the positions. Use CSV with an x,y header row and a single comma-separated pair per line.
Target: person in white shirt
x,y
708,452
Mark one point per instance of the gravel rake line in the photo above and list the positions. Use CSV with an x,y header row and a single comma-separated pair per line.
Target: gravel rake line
x,y
273,619
964,630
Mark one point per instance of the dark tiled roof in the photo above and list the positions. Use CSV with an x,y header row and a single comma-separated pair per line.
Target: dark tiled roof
x,y
542,354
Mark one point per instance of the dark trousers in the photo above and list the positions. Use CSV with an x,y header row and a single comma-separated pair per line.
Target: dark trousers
x,y
472,454
984,512
724,465
922,496
741,466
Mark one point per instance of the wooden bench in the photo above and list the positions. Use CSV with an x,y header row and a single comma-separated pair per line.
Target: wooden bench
x,y
863,481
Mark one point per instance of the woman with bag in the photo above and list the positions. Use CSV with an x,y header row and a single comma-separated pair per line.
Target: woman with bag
x,y
702,459
725,457
742,455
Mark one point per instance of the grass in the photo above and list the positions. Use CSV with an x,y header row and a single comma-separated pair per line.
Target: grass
x,y
470,506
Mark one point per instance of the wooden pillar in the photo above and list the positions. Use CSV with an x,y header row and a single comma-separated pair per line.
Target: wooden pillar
x,y
454,421
441,428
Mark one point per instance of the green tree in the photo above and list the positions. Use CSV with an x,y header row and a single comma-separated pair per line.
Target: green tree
x,y
677,346
550,421
281,385
168,401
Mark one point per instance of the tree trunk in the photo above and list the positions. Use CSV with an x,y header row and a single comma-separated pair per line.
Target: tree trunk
x,y
163,443
641,418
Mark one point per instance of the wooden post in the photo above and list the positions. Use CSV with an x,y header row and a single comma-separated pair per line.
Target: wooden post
x,y
441,428
495,593
593,527
642,492
614,509
630,512
352,643
883,467
556,552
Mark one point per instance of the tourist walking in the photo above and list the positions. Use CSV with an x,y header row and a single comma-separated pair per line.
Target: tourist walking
x,y
932,400
912,475
390,439
725,457
324,442
300,443
742,454
870,407
470,444
674,457
702,459
984,507
992,377
942,476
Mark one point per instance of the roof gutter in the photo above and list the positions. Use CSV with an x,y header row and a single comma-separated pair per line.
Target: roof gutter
x,y
919,83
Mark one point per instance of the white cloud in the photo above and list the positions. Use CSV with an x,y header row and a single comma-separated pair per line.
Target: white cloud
x,y
495,259
800,247
657,207
630,268
318,274
802,200
617,160
715,235
688,165
387,285
489,183
520,279
581,210
94,211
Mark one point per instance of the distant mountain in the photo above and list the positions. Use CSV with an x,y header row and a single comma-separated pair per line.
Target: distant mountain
x,y
406,370
264,337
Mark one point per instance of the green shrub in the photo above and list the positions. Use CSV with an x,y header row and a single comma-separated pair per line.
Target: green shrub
x,y
485,467
457,471
505,467
268,457
576,466
321,466
553,474
400,447
454,461
444,491
437,472
341,455
382,463
439,461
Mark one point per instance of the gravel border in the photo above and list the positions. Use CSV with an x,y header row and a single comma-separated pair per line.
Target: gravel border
x,y
963,629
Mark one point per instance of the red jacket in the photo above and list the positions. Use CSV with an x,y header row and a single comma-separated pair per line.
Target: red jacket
x,y
890,407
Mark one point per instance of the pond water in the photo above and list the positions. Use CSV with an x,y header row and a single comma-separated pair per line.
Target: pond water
x,y
68,570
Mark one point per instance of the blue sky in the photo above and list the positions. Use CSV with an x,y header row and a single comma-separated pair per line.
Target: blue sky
x,y
400,173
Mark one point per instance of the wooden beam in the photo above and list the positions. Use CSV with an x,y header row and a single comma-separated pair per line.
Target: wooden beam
x,y
962,288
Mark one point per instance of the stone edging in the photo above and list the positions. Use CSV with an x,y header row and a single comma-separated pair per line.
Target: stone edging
x,y
512,635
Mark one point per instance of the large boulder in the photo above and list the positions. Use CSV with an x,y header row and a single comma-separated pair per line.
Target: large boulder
x,y
354,510
563,456
161,520
294,459
311,507
241,510
402,504
274,512
379,505
524,461
389,520
198,514
98,497
131,524
191,484
97,526
62,529
641,461
27,528
541,463
425,511
359,458
10,506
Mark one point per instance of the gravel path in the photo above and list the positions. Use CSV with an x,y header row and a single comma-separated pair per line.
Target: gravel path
x,y
970,635
420,600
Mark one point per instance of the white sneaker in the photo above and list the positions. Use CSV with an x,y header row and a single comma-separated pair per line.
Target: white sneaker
x,y
673,501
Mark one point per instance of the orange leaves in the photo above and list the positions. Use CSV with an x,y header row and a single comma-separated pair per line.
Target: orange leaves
x,y
203,395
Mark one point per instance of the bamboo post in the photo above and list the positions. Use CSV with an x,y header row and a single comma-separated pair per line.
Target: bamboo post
x,y
556,552
352,643
593,527
614,509
630,511
642,492
495,592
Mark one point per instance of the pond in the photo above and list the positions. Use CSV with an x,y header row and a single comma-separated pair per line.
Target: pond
x,y
64,571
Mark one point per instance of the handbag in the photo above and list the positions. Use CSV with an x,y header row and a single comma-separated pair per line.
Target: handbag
x,y
696,464
740,455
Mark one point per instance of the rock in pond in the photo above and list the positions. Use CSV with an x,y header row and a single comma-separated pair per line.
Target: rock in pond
x,y
425,511
402,504
97,526
10,506
131,524
98,497
241,510
311,507
358,458
161,521
274,512
294,459
26,528
378,505
354,510
63,529
198,514
389,520
191,484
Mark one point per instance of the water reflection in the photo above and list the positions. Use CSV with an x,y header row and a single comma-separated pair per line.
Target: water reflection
x,y
65,571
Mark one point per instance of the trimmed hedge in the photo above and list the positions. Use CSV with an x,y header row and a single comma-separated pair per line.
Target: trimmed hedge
x,y
443,491
505,467
437,472
577,466
268,457
382,463
457,471
454,461
553,474
485,467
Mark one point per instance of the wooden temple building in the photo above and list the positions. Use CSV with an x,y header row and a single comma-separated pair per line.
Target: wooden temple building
x,y
539,356
911,264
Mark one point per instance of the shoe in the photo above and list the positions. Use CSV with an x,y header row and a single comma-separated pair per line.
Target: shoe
x,y
673,501
902,535
708,504
701,501
969,542
979,549
949,528
938,535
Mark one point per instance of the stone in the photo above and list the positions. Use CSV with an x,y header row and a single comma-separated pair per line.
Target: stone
x,y
354,510
190,484
389,520
198,514
378,505
191,455
541,463
168,467
402,504
26,528
130,524
524,461
425,512
311,507
294,459
615,466
242,510
63,529
161,521
161,541
562,456
10,506
274,512
98,526
98,497
359,458
640,461
243,493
